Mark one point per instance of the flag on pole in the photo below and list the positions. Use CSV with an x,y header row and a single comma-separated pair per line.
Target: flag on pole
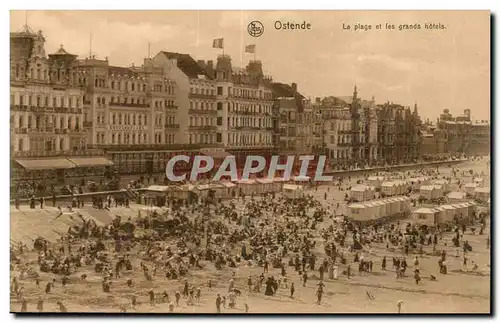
x,y
250,49
218,43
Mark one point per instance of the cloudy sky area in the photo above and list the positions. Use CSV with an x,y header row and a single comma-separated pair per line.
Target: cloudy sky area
x,y
438,69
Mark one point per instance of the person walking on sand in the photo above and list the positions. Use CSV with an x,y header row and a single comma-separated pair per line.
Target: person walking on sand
x,y
177,298
39,305
292,290
399,304
24,305
319,293
151,297
218,302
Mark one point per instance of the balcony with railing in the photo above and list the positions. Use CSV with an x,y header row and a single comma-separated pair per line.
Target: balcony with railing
x,y
247,113
202,96
63,153
172,126
142,147
35,109
87,124
20,131
200,111
128,105
17,107
213,128
61,131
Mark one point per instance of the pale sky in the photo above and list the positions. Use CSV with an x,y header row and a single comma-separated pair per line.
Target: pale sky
x,y
438,69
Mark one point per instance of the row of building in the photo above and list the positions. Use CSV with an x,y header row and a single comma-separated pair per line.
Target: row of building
x,y
451,134
136,118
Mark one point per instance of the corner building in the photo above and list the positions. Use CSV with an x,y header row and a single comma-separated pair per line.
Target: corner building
x,y
48,138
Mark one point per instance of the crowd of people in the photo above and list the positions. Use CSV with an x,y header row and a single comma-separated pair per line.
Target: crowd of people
x,y
280,241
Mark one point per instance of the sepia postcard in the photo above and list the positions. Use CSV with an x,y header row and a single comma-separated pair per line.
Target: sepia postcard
x,y
250,162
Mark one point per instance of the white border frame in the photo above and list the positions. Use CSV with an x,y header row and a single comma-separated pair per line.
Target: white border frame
x,y
192,4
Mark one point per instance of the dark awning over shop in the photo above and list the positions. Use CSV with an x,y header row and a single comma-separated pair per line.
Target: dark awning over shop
x,y
90,161
217,154
45,163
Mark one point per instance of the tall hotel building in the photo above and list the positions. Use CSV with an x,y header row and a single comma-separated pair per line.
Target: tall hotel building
x,y
48,137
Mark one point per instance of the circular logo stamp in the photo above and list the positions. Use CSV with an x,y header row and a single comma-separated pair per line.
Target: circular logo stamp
x,y
255,28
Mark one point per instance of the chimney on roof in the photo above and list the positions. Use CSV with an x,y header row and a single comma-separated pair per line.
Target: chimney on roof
x,y
294,87
318,100
210,64
106,58
93,56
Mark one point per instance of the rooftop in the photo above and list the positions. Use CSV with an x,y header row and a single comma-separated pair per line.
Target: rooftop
x,y
187,64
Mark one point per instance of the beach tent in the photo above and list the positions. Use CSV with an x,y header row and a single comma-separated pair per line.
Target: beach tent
x,y
470,188
247,186
362,193
268,185
229,189
292,190
454,197
428,191
445,185
358,212
482,193
425,216
388,188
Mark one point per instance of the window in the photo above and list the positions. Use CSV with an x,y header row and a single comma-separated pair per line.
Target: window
x,y
219,90
219,137
219,106
219,121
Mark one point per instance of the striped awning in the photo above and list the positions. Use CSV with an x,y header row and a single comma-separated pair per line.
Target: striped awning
x,y
45,163
90,161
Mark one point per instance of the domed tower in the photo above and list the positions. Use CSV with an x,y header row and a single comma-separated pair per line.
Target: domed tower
x,y
62,66
223,70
